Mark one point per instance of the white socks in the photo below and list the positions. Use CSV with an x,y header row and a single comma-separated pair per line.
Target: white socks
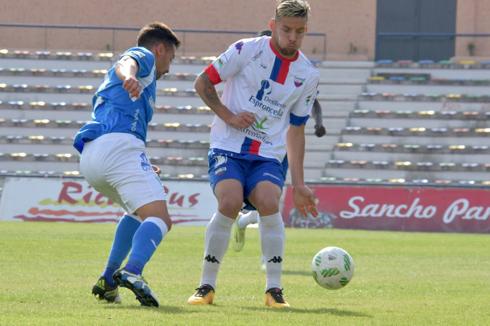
x,y
272,237
215,244
248,218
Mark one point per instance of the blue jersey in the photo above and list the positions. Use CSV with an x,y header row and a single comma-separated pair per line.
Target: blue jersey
x,y
114,110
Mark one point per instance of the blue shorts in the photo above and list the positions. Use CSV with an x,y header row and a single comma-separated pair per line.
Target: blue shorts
x,y
228,165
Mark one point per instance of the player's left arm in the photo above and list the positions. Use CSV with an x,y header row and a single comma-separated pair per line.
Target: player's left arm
x,y
303,197
316,112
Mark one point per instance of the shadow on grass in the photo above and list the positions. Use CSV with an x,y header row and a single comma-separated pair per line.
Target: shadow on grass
x,y
331,311
161,309
300,273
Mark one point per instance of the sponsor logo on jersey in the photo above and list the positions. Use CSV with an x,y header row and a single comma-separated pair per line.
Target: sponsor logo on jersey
x,y
259,124
257,134
264,86
265,103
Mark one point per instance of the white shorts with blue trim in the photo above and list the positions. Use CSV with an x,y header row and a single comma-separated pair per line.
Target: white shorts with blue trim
x,y
116,165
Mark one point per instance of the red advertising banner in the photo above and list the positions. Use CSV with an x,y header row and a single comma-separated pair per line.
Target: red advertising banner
x,y
395,208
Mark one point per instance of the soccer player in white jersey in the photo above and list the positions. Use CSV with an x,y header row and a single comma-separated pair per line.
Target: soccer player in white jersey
x,y
270,87
113,160
249,215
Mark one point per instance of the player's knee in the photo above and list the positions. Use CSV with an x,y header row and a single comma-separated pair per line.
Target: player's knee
x,y
267,206
230,206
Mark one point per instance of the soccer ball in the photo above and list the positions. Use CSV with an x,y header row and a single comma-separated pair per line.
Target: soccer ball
x,y
332,268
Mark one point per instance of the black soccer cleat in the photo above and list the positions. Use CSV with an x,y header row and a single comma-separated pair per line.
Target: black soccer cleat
x,y
103,291
138,285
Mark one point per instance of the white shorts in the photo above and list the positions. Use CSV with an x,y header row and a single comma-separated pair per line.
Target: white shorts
x,y
116,165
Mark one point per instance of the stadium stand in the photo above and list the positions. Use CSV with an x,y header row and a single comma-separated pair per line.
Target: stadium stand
x,y
418,122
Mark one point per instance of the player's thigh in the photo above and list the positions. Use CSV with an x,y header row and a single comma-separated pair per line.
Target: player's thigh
x,y
229,193
227,178
264,186
135,181
265,197
93,168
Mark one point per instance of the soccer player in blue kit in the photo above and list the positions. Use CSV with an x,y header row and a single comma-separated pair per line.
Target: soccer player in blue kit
x,y
113,160
270,87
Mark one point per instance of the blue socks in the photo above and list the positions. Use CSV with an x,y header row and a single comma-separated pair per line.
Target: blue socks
x,y
120,246
145,242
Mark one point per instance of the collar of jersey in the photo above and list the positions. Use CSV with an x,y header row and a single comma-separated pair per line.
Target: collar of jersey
x,y
280,56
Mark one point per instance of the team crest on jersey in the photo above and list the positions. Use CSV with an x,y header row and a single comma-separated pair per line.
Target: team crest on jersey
x,y
239,47
298,82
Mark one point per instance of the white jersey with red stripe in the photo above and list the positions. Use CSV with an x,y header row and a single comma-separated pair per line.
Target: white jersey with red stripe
x,y
277,90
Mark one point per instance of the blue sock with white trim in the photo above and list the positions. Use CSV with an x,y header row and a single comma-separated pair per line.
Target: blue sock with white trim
x,y
121,245
145,242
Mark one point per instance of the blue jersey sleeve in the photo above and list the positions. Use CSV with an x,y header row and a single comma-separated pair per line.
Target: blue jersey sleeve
x,y
144,58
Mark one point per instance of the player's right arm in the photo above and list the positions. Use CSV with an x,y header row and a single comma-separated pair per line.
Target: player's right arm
x,y
207,92
226,66
127,70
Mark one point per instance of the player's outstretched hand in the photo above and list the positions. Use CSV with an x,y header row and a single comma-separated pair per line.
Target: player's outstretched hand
x,y
156,169
132,86
305,200
320,131
242,120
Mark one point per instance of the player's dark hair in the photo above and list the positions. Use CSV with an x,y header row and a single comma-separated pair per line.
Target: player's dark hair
x,y
265,32
157,32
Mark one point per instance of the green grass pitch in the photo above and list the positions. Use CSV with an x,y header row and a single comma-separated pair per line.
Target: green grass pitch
x,y
47,271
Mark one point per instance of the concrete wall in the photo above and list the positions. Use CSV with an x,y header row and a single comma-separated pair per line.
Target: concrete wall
x,y
472,17
350,25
